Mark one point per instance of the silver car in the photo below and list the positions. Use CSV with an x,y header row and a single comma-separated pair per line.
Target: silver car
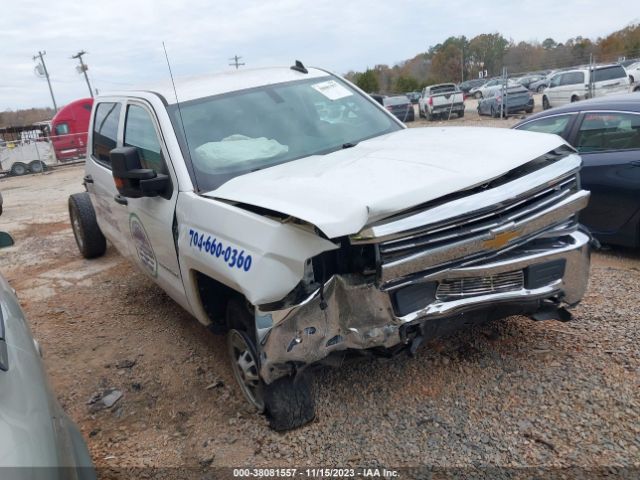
x,y
37,439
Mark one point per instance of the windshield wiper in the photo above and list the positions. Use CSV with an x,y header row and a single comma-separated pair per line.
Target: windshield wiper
x,y
349,145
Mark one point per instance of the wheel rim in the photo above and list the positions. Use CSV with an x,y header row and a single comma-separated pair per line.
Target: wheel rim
x,y
77,229
244,364
36,167
19,169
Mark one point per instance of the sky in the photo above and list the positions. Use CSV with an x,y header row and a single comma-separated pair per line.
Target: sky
x,y
123,38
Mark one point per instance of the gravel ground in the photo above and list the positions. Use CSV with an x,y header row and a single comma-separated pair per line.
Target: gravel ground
x,y
515,393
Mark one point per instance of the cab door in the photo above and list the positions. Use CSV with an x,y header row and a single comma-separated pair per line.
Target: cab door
x,y
104,136
152,228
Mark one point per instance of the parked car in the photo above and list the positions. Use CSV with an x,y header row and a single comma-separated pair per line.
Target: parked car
x,y
440,101
497,101
378,97
69,129
633,71
539,85
414,97
606,133
467,85
580,83
37,439
400,106
493,84
527,80
304,240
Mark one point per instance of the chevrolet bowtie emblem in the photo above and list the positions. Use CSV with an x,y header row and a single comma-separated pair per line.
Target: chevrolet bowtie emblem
x,y
501,239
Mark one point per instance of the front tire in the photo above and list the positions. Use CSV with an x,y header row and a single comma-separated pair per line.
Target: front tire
x,y
287,402
89,237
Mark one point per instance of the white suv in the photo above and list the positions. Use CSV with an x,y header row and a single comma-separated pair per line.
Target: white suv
x,y
580,83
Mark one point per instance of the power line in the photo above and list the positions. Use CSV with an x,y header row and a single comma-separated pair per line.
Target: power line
x,y
83,68
235,62
46,74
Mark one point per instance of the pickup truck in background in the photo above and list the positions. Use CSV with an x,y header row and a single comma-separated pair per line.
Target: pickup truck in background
x,y
306,238
440,101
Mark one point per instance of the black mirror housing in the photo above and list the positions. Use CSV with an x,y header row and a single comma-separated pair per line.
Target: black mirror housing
x,y
132,180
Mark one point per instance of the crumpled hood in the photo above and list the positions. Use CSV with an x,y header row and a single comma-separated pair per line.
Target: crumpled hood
x,y
343,191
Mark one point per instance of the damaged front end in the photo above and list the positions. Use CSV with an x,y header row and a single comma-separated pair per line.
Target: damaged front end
x,y
513,247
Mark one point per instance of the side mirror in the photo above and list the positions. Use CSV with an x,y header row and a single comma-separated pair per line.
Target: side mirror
x,y
132,180
6,240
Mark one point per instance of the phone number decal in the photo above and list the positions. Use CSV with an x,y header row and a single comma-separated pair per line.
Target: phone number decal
x,y
233,257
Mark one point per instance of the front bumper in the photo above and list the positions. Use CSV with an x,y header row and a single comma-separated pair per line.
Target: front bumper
x,y
362,315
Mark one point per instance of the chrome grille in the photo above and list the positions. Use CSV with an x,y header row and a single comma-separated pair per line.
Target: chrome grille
x,y
457,288
434,236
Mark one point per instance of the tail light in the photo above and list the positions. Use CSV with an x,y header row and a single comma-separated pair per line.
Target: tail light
x,y
498,98
430,100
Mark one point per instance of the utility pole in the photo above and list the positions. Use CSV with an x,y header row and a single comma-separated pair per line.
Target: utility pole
x,y
462,64
46,74
83,68
235,62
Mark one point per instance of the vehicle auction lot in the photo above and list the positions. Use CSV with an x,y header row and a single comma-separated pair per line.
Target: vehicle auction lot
x,y
514,393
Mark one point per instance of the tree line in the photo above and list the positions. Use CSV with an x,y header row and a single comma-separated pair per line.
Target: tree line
x,y
459,58
21,118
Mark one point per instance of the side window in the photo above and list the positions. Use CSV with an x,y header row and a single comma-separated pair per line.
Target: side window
x,y
573,78
555,80
555,124
140,132
62,129
609,131
609,73
105,130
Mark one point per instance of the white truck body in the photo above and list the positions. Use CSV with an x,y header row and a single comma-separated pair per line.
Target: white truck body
x,y
441,100
327,249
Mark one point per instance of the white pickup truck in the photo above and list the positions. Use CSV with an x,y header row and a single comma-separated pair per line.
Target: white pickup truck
x,y
305,238
440,101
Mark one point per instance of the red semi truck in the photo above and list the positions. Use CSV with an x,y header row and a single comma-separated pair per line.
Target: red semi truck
x,y
69,129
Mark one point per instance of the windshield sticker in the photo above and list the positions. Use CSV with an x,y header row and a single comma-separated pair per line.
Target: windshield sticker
x,y
143,245
332,90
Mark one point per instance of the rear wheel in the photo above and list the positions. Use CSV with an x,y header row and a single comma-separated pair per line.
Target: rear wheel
x,y
574,99
19,168
460,113
477,95
89,237
37,166
287,402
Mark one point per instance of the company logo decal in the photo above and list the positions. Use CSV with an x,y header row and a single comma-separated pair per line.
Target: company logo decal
x,y
143,246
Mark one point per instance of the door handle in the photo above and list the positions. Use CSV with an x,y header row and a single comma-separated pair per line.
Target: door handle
x,y
121,200
635,163
88,179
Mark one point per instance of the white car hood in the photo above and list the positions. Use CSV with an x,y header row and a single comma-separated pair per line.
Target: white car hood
x,y
343,191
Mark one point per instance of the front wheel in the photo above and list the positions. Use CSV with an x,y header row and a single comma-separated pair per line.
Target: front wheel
x,y
89,237
287,402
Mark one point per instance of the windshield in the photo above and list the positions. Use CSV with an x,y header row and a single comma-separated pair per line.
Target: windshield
x,y
240,132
